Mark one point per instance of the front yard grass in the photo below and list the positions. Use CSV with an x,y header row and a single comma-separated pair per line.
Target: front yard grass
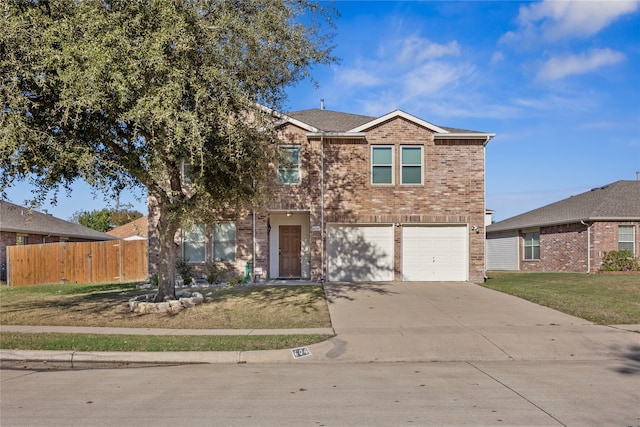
x,y
605,299
240,307
99,342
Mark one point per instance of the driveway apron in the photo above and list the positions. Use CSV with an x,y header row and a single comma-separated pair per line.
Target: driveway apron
x,y
459,321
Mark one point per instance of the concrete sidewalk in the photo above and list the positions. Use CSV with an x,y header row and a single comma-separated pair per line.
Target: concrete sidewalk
x,y
395,322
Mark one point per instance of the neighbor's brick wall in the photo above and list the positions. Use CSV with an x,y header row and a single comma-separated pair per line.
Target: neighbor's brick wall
x,y
563,248
604,238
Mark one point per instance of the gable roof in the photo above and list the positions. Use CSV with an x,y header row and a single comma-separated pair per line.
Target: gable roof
x,y
138,228
619,201
318,121
330,121
399,113
18,219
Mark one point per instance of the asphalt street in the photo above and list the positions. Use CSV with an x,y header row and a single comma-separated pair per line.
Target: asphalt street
x,y
422,354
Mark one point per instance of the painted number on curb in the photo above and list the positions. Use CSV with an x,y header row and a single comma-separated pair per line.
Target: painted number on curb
x,y
300,352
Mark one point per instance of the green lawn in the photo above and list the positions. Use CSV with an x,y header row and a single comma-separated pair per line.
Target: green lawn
x,y
606,299
99,342
239,307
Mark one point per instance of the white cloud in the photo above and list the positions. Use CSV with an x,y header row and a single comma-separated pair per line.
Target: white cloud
x,y
552,20
417,49
559,67
496,58
434,77
357,77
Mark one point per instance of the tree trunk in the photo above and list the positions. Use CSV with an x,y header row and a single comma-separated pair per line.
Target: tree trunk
x,y
167,256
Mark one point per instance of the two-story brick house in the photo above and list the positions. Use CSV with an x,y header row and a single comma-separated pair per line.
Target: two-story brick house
x,y
362,198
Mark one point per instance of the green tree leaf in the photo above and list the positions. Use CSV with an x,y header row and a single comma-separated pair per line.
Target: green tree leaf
x,y
123,93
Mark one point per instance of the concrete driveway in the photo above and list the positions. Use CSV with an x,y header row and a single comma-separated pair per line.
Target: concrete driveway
x,y
456,321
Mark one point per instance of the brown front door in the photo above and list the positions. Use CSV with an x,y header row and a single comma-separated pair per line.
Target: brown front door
x,y
290,247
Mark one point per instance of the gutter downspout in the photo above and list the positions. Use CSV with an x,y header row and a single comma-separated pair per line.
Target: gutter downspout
x,y
322,231
253,254
484,211
588,244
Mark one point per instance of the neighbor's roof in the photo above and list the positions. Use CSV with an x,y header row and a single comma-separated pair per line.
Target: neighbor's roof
x,y
332,121
18,219
619,201
136,228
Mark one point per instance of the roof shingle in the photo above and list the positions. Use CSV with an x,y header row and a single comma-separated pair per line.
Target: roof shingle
x,y
18,219
617,201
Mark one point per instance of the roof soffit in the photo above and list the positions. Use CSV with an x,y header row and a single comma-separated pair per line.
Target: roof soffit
x,y
395,114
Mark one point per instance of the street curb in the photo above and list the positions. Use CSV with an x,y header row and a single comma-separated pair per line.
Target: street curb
x,y
51,359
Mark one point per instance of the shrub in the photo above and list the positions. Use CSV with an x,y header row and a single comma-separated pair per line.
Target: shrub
x,y
185,271
619,261
154,280
237,280
215,273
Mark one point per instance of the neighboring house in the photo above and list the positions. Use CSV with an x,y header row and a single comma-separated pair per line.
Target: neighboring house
x,y
135,230
359,199
570,235
23,226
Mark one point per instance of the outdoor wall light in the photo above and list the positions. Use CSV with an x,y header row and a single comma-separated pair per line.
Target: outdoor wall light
x,y
289,214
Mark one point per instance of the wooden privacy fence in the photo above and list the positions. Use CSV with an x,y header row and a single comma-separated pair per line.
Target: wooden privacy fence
x,y
77,262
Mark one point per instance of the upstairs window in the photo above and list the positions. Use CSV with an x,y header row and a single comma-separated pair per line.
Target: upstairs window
x,y
289,166
193,243
224,242
411,165
532,246
186,173
626,241
382,165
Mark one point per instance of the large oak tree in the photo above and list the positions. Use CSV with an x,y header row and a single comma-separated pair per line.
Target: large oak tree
x,y
124,93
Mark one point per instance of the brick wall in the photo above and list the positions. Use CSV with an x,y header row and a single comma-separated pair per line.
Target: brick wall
x,y
563,248
453,190
604,238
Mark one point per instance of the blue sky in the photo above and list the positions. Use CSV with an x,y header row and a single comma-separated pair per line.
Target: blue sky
x,y
557,81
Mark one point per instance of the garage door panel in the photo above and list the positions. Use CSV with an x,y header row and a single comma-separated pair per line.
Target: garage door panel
x,y
360,253
434,253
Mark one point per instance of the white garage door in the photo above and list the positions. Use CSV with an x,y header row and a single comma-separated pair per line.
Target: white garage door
x,y
502,252
434,253
360,253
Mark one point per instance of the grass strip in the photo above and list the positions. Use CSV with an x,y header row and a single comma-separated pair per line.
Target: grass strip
x,y
605,299
106,305
99,342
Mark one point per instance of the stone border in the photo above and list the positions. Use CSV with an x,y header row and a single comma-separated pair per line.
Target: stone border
x,y
144,304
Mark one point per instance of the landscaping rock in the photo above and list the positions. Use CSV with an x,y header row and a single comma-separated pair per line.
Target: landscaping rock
x,y
144,304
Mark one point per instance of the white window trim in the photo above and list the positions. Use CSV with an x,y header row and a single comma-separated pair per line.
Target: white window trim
x,y
235,242
299,164
633,237
524,245
393,165
421,147
184,232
